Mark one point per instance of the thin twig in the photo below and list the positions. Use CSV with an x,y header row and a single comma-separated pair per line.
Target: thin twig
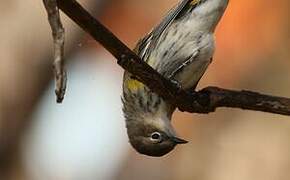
x,y
58,38
204,101
212,97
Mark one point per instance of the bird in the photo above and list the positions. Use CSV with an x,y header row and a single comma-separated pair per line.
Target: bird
x,y
180,48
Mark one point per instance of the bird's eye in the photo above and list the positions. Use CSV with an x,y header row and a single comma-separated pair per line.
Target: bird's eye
x,y
156,137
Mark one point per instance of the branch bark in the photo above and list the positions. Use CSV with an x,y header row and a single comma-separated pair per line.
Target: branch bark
x,y
204,101
58,39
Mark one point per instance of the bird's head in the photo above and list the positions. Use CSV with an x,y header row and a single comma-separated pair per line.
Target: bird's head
x,y
152,135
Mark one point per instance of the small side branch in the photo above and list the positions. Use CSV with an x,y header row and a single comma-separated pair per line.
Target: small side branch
x,y
210,98
204,101
58,38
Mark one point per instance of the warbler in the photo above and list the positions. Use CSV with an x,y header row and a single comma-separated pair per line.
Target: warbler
x,y
180,48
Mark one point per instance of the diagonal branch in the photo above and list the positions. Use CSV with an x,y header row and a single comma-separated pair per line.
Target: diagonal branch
x,y
204,101
58,38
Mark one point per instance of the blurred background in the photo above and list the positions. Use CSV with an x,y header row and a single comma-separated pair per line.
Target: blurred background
x,y
84,138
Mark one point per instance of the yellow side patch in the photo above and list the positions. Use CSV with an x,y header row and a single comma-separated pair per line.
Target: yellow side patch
x,y
134,85
194,2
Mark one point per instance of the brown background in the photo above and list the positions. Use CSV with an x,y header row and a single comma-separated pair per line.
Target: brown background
x,y
252,53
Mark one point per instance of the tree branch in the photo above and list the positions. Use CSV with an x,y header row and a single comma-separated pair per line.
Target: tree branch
x,y
58,38
204,101
214,97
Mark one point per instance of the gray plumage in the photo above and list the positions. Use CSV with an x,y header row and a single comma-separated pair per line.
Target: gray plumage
x,y
180,48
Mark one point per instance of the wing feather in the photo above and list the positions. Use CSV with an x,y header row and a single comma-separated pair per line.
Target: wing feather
x,y
149,41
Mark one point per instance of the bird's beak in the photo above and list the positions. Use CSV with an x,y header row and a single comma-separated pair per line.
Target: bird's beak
x,y
178,140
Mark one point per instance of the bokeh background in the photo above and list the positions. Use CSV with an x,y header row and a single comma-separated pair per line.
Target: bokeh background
x,y
85,138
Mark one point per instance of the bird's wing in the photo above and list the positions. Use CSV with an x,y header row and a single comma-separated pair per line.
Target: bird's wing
x,y
149,41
